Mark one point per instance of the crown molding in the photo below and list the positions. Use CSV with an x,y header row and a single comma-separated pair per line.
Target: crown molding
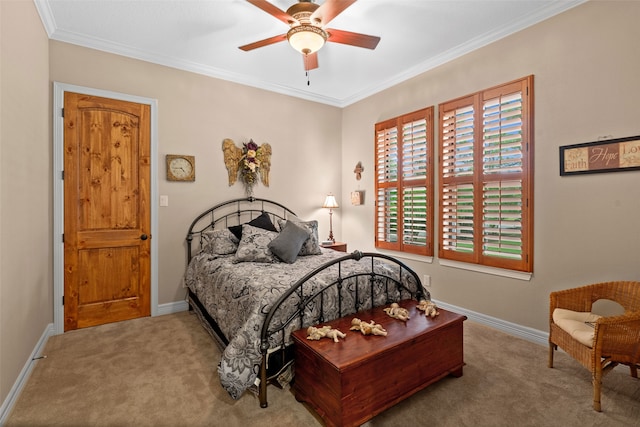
x,y
543,13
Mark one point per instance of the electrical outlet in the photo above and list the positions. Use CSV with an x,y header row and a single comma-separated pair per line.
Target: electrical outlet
x,y
426,280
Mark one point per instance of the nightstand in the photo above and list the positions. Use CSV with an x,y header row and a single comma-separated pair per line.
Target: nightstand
x,y
337,246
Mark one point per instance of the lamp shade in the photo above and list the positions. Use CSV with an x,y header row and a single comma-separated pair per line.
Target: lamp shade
x,y
330,202
306,39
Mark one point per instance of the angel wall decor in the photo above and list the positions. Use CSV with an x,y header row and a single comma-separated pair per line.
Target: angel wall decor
x,y
247,163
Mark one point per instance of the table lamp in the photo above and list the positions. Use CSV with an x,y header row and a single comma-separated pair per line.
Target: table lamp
x,y
330,203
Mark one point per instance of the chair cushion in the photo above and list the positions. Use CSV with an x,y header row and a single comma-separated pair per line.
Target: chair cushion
x,y
580,325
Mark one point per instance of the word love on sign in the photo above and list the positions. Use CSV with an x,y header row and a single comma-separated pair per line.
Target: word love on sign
x,y
613,155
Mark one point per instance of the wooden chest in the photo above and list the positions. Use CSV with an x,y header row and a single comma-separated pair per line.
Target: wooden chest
x,y
349,382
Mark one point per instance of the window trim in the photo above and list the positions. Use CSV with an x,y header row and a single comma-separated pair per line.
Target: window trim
x,y
476,179
495,271
400,184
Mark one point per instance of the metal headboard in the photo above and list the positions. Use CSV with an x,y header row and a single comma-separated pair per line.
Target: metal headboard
x,y
233,212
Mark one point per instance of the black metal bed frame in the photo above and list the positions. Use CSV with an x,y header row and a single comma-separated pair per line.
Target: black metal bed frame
x,y
232,212
300,295
303,298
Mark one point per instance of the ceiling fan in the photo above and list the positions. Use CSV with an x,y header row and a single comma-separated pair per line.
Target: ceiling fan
x,y
307,32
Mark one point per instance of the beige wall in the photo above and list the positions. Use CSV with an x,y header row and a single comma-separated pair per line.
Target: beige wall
x,y
26,305
585,64
195,114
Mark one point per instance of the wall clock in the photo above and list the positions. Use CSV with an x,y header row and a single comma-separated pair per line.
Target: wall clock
x,y
181,167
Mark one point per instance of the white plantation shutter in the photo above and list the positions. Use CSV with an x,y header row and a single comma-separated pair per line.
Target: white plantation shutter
x,y
502,219
502,135
414,150
387,184
387,215
457,205
457,218
414,173
502,157
387,155
486,177
457,142
414,216
404,183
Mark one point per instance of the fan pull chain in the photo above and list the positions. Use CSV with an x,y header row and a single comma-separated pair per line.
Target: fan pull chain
x,y
306,67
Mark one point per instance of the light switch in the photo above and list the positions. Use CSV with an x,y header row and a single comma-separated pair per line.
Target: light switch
x,y
164,200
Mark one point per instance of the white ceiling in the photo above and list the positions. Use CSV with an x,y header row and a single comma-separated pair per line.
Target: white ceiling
x,y
203,36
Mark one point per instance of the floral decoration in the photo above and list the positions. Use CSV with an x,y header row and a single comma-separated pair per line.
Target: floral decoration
x,y
250,162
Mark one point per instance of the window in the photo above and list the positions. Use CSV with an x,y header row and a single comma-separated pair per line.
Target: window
x,y
486,177
404,183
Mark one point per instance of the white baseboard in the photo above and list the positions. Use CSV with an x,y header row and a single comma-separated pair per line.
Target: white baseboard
x,y
172,307
524,332
11,398
49,331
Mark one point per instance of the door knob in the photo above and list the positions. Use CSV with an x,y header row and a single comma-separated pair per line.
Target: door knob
x,y
144,237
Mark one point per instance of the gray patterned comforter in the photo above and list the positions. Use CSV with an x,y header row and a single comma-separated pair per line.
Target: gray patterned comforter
x,y
239,295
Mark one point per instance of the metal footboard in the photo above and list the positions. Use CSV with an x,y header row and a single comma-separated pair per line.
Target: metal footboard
x,y
399,282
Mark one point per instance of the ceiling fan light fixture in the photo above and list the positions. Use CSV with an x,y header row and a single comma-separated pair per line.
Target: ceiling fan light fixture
x,y
306,39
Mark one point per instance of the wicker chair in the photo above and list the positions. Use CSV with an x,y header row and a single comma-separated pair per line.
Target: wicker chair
x,y
616,339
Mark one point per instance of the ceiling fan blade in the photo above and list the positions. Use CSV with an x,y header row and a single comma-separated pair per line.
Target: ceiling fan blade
x,y
265,42
310,61
273,11
353,39
329,10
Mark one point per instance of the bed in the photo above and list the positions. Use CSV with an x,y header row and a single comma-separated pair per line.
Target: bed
x,y
256,273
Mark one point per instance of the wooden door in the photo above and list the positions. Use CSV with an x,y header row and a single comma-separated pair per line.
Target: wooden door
x,y
107,212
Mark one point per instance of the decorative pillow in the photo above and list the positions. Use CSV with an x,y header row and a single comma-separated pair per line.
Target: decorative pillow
x,y
254,245
311,246
220,242
263,221
288,243
580,325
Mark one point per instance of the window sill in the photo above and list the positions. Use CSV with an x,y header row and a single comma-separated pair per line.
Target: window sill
x,y
408,256
512,274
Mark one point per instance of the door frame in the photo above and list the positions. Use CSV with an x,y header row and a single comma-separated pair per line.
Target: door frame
x,y
59,90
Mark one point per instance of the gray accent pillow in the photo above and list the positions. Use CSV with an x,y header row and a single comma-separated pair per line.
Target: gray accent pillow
x,y
311,246
288,243
220,242
254,245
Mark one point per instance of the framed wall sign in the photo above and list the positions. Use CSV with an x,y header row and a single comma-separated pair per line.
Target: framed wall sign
x,y
612,155
357,197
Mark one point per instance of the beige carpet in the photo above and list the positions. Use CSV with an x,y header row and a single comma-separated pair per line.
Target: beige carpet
x,y
162,372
